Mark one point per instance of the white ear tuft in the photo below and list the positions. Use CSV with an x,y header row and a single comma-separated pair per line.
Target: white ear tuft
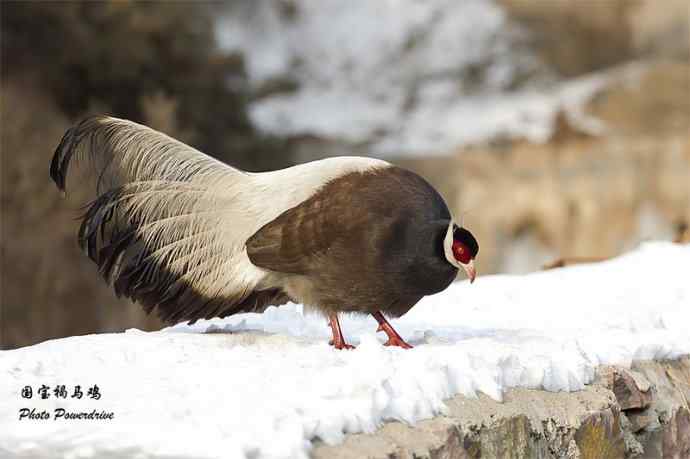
x,y
448,246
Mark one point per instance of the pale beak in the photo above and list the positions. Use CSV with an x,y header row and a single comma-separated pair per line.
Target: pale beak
x,y
469,269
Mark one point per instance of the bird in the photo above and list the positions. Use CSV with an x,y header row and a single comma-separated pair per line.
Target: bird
x,y
181,232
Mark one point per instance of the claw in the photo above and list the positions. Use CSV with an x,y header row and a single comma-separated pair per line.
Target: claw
x,y
393,338
338,341
399,342
345,346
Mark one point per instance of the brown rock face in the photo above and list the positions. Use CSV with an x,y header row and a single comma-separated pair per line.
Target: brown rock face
x,y
597,36
641,420
677,436
628,393
601,436
578,37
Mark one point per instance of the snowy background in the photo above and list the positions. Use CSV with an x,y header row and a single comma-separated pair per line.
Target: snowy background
x,y
416,77
268,385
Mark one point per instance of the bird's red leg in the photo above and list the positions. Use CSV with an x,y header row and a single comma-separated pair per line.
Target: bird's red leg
x,y
338,340
393,338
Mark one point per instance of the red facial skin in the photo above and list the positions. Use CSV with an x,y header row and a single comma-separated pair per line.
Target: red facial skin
x,y
461,252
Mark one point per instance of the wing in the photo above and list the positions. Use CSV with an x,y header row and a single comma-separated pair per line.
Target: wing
x,y
333,219
296,240
361,219
168,223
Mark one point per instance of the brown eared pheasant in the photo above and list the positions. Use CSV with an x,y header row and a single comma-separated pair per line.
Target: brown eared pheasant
x,y
180,232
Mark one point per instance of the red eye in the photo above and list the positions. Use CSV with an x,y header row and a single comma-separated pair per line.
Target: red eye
x,y
461,253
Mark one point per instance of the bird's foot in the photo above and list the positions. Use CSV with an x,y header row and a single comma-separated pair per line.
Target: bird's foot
x,y
397,341
338,340
393,338
341,345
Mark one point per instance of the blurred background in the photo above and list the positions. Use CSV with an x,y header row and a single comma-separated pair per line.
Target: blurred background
x,y
557,129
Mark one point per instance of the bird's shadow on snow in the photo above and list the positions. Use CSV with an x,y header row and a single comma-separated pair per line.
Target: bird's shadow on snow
x,y
306,329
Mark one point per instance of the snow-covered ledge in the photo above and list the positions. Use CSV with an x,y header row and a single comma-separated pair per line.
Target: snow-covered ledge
x,y
541,345
637,412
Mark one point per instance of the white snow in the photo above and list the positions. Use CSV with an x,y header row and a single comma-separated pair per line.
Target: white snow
x,y
267,385
403,76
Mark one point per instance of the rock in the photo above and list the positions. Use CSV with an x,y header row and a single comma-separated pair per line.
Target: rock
x,y
661,31
604,32
633,447
651,100
628,393
600,435
640,381
604,375
588,424
642,419
503,439
677,437
599,34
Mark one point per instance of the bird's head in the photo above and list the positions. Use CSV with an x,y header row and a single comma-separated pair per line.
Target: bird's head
x,y
460,248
